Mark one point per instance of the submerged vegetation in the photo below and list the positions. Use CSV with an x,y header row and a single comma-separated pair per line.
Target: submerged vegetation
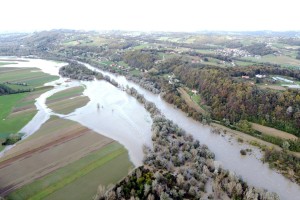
x,y
77,71
285,163
179,167
12,139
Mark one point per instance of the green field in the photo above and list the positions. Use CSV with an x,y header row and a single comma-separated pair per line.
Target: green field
x,y
68,100
243,63
26,75
16,110
6,63
105,166
135,72
142,46
66,93
283,60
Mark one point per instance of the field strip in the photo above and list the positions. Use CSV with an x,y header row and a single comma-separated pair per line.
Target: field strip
x,y
38,185
53,101
41,148
54,129
68,106
30,177
78,174
273,132
27,110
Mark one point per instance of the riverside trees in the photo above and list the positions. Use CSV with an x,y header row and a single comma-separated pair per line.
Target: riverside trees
x,y
78,71
179,167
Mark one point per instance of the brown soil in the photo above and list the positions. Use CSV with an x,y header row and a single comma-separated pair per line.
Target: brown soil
x,y
273,132
38,156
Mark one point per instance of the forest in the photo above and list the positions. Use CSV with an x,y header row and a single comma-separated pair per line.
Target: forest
x,y
237,101
139,58
259,49
232,100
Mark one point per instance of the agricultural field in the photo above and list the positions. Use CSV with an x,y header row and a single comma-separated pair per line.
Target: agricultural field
x,y
273,132
32,76
283,60
87,40
60,159
68,100
6,63
272,87
16,110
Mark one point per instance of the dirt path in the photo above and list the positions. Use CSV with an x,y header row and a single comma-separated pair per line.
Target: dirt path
x,y
189,101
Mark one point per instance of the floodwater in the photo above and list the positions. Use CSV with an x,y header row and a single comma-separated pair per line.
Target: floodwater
x,y
226,149
116,118
123,119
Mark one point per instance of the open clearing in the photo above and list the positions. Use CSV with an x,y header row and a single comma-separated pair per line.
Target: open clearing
x,y
273,132
50,155
67,101
272,87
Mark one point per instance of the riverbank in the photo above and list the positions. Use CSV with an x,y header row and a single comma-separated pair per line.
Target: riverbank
x,y
250,139
16,110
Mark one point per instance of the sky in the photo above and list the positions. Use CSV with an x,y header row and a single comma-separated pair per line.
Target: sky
x,y
150,15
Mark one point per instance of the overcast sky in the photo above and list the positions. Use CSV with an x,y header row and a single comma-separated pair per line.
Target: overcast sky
x,y
150,15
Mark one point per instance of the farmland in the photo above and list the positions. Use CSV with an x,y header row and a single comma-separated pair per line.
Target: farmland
x,y
273,132
33,169
68,100
61,154
16,110
6,63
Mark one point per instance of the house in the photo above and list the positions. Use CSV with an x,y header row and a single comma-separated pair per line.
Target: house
x,y
260,76
194,91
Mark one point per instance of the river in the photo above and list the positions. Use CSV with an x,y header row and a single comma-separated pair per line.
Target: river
x,y
123,119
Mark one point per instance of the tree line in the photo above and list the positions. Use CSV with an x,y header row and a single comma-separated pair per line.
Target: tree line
x,y
5,90
77,71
